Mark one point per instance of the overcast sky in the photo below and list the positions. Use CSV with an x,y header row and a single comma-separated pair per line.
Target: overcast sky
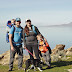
x,y
41,12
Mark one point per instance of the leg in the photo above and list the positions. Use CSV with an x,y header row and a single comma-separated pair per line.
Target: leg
x,y
48,61
27,63
40,53
35,48
29,47
20,57
12,55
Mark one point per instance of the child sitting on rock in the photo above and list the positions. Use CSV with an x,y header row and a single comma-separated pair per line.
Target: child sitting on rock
x,y
43,47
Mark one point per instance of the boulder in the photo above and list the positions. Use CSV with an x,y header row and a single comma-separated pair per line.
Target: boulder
x,y
5,57
58,47
69,51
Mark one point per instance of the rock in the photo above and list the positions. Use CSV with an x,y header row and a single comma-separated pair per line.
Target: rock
x,y
69,51
68,58
1,57
58,47
60,57
70,70
5,57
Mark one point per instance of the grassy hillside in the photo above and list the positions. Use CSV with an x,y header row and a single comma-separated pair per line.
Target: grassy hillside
x,y
61,66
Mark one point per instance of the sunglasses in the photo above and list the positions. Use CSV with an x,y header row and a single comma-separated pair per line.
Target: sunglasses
x,y
19,21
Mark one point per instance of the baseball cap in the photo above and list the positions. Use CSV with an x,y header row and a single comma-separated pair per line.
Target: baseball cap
x,y
27,20
18,19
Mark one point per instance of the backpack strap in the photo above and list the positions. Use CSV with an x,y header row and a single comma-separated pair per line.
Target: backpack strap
x,y
33,27
13,32
13,36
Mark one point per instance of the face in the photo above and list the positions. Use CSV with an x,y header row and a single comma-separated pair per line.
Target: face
x,y
12,21
28,24
17,23
39,38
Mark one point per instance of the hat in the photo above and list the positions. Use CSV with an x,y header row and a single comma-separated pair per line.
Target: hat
x,y
18,19
27,20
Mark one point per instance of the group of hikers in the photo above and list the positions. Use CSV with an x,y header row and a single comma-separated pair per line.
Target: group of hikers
x,y
33,41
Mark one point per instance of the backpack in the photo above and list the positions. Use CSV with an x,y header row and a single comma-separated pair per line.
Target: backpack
x,y
8,27
49,49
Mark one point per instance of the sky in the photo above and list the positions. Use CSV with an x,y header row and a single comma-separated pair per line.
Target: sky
x,y
41,12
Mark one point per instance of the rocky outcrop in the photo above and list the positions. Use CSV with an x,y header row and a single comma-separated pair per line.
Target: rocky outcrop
x,y
58,47
58,54
69,51
5,57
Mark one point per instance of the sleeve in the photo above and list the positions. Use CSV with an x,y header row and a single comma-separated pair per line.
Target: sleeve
x,y
47,45
24,38
22,33
11,30
38,32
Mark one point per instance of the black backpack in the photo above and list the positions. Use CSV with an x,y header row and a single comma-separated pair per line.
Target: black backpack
x,y
49,50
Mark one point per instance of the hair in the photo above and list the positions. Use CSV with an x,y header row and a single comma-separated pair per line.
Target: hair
x,y
26,30
39,35
28,21
13,19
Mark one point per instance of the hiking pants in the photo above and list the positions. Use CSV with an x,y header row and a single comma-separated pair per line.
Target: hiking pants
x,y
19,51
40,53
35,48
47,58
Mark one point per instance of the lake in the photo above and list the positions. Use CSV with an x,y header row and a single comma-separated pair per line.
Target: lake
x,y
54,36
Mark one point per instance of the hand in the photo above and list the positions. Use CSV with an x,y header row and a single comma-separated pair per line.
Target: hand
x,y
44,45
12,48
24,47
41,49
45,39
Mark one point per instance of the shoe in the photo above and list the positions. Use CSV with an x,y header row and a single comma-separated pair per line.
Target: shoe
x,y
49,67
9,70
32,67
39,69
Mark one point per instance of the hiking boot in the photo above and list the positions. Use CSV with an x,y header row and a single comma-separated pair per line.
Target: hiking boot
x,y
9,70
49,67
39,69
32,67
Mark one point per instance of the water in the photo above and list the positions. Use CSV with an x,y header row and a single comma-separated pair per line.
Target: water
x,y
54,36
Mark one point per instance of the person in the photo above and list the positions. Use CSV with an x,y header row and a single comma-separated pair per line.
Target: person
x,y
43,47
15,39
13,22
30,40
10,23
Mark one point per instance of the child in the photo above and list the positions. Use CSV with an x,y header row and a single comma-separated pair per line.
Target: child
x,y
44,50
10,23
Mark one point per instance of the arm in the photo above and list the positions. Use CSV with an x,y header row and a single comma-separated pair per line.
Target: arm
x,y
38,32
24,39
10,38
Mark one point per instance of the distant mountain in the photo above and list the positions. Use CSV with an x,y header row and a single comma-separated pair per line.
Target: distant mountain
x,y
65,25
69,24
